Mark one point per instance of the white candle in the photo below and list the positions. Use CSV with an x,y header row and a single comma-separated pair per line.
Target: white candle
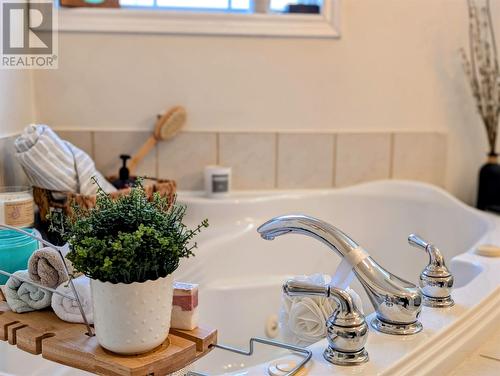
x,y
217,181
16,206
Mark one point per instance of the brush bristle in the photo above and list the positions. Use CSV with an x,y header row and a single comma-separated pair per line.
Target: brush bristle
x,y
171,123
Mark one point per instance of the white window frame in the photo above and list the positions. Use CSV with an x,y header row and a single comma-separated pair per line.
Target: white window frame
x,y
129,20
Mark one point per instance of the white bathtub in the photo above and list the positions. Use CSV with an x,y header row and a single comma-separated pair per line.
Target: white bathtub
x,y
241,275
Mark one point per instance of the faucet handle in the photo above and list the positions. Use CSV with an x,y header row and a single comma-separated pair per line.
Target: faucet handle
x,y
294,287
436,267
347,331
417,242
436,281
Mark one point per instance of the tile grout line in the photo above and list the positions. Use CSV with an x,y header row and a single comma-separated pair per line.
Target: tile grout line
x,y
92,144
276,159
217,147
445,164
157,160
334,159
391,156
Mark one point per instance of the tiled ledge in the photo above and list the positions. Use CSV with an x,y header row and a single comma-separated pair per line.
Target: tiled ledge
x,y
276,160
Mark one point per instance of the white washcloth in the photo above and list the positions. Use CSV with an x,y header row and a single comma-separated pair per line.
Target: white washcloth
x,y
302,318
55,164
68,310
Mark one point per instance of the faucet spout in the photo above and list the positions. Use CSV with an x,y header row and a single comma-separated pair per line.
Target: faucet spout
x,y
397,302
302,224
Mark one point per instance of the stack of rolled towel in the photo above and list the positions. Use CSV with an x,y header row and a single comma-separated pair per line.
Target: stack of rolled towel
x,y
302,318
46,268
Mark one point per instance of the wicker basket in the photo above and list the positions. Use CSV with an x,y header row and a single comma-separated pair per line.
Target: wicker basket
x,y
49,201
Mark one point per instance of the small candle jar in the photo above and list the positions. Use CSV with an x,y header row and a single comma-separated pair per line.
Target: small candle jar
x,y
16,206
217,181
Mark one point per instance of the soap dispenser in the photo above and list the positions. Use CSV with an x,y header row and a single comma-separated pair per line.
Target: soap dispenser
x,y
124,180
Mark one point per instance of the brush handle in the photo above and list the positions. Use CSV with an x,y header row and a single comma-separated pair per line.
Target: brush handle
x,y
141,153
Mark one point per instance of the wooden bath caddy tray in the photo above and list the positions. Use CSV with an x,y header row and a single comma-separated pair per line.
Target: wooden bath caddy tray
x,y
44,333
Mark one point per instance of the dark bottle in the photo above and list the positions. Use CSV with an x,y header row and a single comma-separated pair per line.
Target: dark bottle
x,y
124,180
303,8
488,195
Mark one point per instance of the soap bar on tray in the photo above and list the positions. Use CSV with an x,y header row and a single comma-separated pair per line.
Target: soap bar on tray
x,y
185,306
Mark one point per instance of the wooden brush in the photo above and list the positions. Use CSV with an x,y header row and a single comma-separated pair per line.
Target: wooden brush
x,y
167,126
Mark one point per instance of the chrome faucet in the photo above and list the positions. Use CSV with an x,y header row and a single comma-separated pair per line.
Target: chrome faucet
x,y
397,302
346,328
436,281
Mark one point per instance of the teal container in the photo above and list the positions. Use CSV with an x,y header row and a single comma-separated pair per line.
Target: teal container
x,y
15,251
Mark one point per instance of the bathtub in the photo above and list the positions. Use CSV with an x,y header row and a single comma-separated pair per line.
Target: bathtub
x,y
240,275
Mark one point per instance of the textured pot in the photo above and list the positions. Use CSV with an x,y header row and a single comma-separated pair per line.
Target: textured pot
x,y
488,196
132,318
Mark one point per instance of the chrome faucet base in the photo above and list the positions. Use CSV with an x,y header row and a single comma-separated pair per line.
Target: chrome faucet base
x,y
396,329
438,302
345,359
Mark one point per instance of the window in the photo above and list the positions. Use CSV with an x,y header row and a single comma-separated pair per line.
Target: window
x,y
209,17
225,5
212,5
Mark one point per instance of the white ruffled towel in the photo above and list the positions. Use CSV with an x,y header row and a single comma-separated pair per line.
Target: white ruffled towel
x,y
302,318
67,309
55,164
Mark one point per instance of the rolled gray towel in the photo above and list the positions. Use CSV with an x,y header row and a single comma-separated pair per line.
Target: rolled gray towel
x,y
24,297
46,267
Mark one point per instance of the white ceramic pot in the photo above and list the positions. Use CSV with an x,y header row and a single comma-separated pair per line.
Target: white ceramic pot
x,y
132,318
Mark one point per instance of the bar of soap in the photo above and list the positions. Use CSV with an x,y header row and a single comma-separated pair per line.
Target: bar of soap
x,y
185,306
488,250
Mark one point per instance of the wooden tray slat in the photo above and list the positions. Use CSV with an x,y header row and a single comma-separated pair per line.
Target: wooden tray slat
x,y
42,332
202,337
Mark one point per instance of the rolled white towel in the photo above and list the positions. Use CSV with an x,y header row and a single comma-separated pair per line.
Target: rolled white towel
x,y
68,310
55,164
302,318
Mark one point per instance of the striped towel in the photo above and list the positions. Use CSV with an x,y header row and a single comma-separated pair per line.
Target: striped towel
x,y
55,164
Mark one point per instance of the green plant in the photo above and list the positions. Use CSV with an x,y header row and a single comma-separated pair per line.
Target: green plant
x,y
128,239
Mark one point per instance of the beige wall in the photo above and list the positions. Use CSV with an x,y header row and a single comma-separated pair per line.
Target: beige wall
x,y
16,111
396,68
16,101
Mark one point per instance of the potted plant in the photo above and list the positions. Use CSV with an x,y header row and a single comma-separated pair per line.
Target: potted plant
x,y
129,247
482,69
